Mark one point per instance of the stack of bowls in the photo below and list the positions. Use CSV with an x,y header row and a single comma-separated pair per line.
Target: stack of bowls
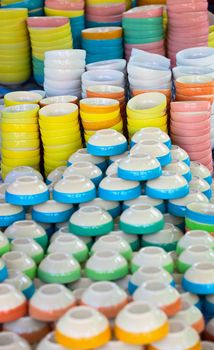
x,y
147,110
74,10
63,71
149,72
194,87
188,25
199,216
103,43
100,113
104,13
102,77
190,129
143,29
60,131
34,7
20,137
14,47
47,33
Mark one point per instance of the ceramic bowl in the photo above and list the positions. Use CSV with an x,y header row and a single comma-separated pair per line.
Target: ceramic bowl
x,y
27,190
87,169
4,244
107,142
74,189
82,155
12,303
207,345
194,254
66,54
106,297
65,230
148,273
59,268
151,133
140,323
198,169
155,149
27,229
179,333
139,167
21,97
49,343
141,219
50,302
112,207
91,221
195,237
201,185
31,330
163,296
52,212
55,175
202,212
180,154
10,214
168,186
111,77
22,171
208,334
28,246
12,341
180,168
113,242
116,64
191,315
106,265
70,330
21,281
157,203
113,188
152,256
58,99
21,261
167,238
70,244
197,56
132,240
199,279
119,345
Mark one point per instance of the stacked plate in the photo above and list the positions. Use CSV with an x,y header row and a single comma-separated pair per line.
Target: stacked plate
x,y
199,216
47,33
147,110
190,129
14,47
63,71
60,131
104,43
74,10
188,25
35,7
104,13
143,29
100,113
20,137
149,72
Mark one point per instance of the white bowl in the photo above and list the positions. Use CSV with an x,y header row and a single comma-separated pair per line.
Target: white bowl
x,y
112,207
154,149
63,74
151,133
137,69
11,341
146,101
65,63
140,323
175,220
28,246
180,71
9,213
194,254
21,282
180,168
116,64
113,242
197,56
201,185
195,237
107,142
143,199
199,278
132,240
111,77
200,170
85,168
13,304
49,343
55,175
118,345
148,57
191,315
180,154
20,261
62,84
52,212
82,155
71,54
50,302
22,171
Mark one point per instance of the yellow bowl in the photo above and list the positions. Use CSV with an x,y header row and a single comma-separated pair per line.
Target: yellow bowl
x,y
15,78
118,127
60,148
101,116
9,39
58,126
144,114
62,140
54,164
13,14
133,130
58,155
38,45
20,154
60,132
21,97
21,162
149,103
19,121
21,144
143,123
10,54
19,128
64,13
43,38
43,31
16,68
59,113
23,111
19,136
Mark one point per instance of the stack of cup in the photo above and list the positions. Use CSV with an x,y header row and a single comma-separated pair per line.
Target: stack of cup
x,y
190,129
188,25
104,13
63,71
47,33
149,72
34,7
147,110
100,113
143,29
14,47
74,10
104,43
20,137
60,131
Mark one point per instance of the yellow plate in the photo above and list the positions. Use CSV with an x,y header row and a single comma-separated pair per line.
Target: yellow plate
x,y
64,13
20,154
21,162
21,144
11,136
19,127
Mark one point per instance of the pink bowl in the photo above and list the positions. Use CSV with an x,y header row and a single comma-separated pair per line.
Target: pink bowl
x,y
187,7
64,5
99,10
200,154
206,160
144,12
105,18
189,123
187,16
188,133
46,22
181,38
190,106
191,140
156,44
